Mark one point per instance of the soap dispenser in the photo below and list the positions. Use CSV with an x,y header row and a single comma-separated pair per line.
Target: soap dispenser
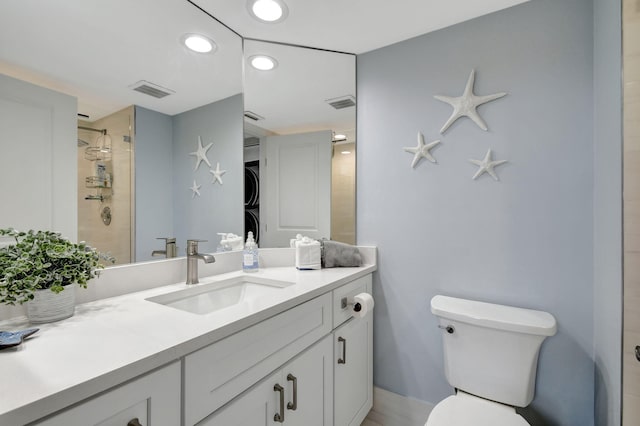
x,y
250,255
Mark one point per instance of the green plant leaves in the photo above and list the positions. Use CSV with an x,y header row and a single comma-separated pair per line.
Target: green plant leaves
x,y
43,260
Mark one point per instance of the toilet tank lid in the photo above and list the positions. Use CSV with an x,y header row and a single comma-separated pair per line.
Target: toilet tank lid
x,y
494,316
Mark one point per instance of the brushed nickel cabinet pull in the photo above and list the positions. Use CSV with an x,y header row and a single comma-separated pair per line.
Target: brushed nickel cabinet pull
x,y
279,417
134,422
293,406
343,360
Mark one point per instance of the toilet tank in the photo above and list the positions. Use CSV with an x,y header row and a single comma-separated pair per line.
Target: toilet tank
x,y
492,350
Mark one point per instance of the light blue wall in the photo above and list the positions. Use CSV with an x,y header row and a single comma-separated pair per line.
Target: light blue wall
x,y
220,208
154,184
607,204
524,241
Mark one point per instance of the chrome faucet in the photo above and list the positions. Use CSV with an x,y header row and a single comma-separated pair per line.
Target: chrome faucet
x,y
192,260
170,248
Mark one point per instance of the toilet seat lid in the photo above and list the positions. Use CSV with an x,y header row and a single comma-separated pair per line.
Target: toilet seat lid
x,y
463,409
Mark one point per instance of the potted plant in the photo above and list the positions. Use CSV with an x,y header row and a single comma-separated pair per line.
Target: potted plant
x,y
39,267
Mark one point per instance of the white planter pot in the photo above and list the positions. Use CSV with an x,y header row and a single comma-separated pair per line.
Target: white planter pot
x,y
48,306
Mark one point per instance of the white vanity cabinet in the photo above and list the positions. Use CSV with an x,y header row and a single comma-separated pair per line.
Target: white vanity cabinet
x,y
299,394
218,373
323,386
353,358
310,365
153,399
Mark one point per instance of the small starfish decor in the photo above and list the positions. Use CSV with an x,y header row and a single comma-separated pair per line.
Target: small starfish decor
x,y
195,189
217,174
486,166
201,154
465,105
421,150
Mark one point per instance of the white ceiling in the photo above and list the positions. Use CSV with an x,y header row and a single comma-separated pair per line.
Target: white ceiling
x,y
303,80
353,26
96,50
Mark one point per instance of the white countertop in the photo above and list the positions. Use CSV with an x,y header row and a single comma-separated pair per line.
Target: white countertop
x,y
113,340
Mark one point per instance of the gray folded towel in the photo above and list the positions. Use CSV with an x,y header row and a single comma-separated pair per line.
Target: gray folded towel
x,y
335,254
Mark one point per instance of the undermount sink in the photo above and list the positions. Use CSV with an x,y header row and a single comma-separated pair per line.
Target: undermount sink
x,y
210,297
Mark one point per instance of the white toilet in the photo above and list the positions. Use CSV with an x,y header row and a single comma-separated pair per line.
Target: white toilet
x,y
490,358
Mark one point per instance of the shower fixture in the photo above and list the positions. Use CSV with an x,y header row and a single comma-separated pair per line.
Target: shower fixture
x,y
102,148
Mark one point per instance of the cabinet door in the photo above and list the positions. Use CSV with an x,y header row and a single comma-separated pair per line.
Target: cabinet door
x,y
353,371
309,386
256,407
299,394
153,399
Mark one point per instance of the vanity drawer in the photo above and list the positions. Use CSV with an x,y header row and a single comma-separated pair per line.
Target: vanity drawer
x,y
216,374
360,285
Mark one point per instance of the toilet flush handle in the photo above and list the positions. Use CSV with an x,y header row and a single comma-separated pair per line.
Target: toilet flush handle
x,y
448,328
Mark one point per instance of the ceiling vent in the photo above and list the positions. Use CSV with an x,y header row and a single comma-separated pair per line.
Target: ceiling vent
x,y
253,116
342,102
151,89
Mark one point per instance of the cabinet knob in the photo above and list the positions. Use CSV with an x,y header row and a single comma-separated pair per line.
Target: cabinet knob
x,y
134,422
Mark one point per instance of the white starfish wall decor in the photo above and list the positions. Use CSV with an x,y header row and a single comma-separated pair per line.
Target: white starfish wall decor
x,y
465,105
421,150
201,154
486,165
217,174
195,188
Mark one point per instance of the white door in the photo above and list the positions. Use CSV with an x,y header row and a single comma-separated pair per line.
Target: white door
x,y
296,197
38,158
353,372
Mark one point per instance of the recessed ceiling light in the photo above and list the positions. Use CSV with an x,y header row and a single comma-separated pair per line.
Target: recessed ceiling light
x,y
198,43
345,152
270,11
340,137
263,62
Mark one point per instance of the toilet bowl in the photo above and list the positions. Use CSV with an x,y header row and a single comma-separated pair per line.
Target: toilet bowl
x,y
463,409
490,358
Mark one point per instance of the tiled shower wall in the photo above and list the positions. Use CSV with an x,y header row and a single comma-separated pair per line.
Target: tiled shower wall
x,y
343,193
114,238
631,216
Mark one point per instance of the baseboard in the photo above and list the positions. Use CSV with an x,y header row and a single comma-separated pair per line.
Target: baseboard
x,y
391,409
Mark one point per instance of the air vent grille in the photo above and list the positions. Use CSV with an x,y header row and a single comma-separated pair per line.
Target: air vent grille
x,y
342,102
151,89
253,116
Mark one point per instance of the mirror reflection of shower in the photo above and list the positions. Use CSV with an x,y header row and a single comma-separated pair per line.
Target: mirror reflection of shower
x,y
104,184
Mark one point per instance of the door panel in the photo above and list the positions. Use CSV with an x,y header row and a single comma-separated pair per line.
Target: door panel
x,y
296,197
38,165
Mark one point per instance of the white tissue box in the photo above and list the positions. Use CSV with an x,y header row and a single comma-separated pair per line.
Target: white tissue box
x,y
308,254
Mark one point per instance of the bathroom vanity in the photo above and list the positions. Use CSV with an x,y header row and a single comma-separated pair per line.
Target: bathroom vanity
x,y
293,354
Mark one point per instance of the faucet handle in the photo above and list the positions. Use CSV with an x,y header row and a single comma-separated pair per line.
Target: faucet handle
x,y
192,246
168,240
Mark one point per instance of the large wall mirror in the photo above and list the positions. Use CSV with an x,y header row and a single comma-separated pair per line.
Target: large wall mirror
x,y
128,171
299,143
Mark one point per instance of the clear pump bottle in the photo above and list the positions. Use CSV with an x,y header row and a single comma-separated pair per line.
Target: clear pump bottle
x,y
250,255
